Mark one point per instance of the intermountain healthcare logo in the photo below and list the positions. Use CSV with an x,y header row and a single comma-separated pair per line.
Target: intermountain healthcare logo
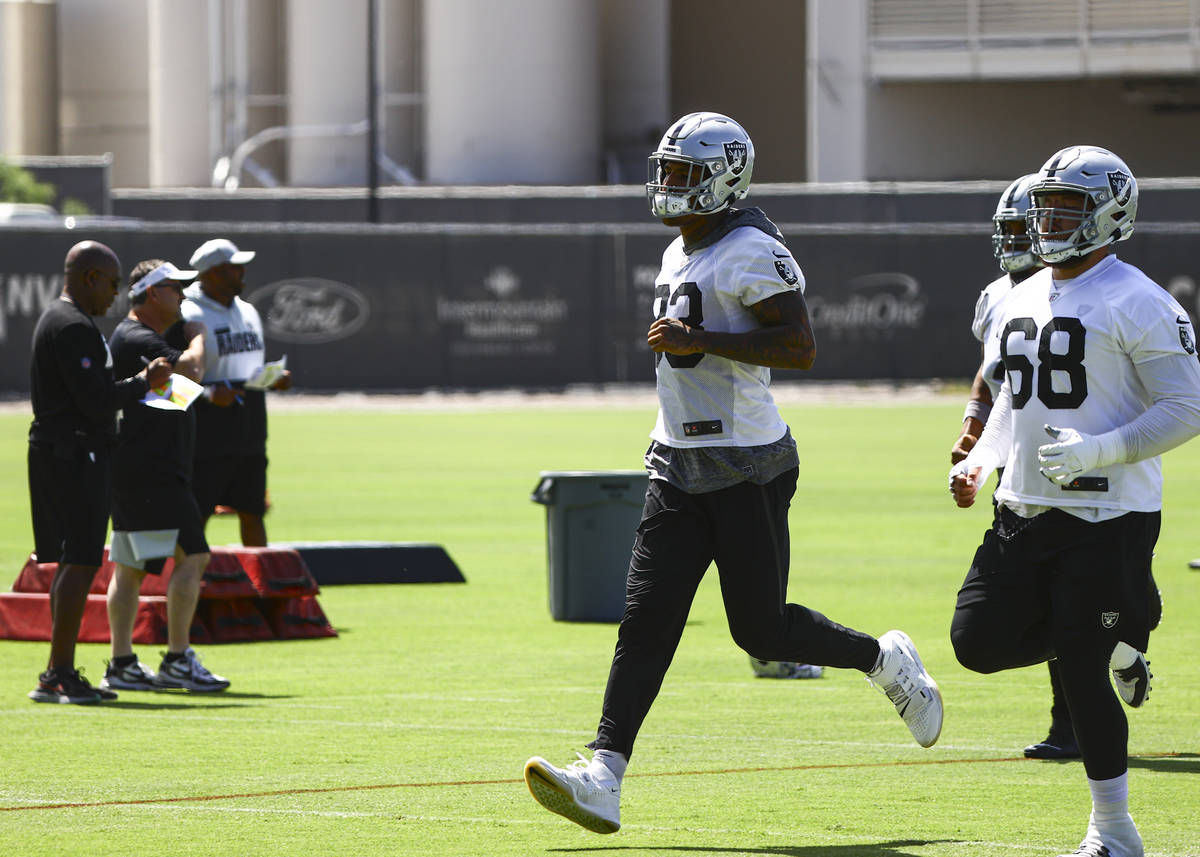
x,y
309,310
502,324
870,306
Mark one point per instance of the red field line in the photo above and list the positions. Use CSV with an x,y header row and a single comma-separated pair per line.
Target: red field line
x,y
335,789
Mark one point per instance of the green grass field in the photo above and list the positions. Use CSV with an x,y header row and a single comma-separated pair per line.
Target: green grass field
x,y
406,735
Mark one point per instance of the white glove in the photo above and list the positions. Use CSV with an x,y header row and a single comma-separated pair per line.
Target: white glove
x,y
959,469
1074,454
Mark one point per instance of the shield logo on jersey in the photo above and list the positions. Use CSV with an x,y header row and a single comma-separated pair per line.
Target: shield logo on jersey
x,y
1109,618
1185,339
85,362
785,272
735,156
1121,185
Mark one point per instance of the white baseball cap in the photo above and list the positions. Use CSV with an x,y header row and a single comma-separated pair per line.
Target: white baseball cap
x,y
166,272
218,251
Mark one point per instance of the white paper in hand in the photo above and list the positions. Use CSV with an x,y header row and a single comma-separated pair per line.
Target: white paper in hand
x,y
267,375
176,395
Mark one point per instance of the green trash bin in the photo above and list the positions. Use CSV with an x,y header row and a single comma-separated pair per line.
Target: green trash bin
x,y
591,520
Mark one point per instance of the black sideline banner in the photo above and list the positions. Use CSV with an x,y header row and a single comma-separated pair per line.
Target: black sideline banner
x,y
483,306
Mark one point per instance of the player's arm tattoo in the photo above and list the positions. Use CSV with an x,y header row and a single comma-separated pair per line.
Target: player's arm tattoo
x,y
784,341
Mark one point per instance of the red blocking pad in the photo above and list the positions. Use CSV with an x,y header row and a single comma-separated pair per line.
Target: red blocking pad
x,y
35,576
300,617
24,616
234,620
150,627
225,578
276,572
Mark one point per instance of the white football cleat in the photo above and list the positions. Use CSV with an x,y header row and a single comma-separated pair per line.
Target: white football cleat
x,y
588,795
1122,840
1132,681
902,676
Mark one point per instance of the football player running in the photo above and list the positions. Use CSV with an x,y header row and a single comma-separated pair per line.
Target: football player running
x,y
1011,247
728,305
1101,378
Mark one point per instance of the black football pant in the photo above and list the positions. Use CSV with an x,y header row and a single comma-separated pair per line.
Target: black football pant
x,y
1058,586
744,530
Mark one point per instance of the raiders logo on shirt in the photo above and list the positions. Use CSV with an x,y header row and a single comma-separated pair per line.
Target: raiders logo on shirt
x,y
785,272
1185,339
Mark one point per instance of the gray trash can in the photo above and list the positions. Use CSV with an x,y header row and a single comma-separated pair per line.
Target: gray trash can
x,y
591,520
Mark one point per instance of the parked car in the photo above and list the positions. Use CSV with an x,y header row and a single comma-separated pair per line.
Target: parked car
x,y
27,212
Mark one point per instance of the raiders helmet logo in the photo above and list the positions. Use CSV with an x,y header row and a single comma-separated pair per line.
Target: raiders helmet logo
x,y
785,272
1121,185
1185,339
735,156
1109,618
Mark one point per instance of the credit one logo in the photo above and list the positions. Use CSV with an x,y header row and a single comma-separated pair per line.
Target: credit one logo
x,y
310,310
870,304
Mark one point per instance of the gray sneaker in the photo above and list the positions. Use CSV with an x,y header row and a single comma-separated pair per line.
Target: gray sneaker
x,y
135,676
188,673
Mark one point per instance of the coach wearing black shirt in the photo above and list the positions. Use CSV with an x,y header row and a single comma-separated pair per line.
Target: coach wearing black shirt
x,y
75,401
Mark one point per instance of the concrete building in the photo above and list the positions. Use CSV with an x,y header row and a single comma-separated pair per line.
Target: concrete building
x,y
188,93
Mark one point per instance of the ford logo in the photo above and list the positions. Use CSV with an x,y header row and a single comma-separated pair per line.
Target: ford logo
x,y
310,310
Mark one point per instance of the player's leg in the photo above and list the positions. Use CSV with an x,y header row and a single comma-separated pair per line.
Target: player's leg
x,y
1002,614
1059,742
183,594
753,550
672,549
671,552
1100,600
181,667
247,493
75,489
124,589
124,671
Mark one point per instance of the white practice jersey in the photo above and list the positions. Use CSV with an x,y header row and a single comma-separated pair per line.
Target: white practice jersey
x,y
988,310
1072,351
234,346
704,399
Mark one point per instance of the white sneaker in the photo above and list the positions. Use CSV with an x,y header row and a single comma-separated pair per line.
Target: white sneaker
x,y
1133,681
902,676
1122,840
587,794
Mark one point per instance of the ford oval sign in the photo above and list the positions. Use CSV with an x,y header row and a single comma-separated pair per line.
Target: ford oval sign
x,y
309,310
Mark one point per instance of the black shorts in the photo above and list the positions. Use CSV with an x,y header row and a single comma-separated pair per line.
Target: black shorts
x,y
1085,581
70,490
237,481
149,498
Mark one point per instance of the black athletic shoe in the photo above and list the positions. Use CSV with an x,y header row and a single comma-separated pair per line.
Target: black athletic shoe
x,y
1059,744
65,687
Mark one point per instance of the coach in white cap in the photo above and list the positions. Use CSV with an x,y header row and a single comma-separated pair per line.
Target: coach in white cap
x,y
231,420
219,251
